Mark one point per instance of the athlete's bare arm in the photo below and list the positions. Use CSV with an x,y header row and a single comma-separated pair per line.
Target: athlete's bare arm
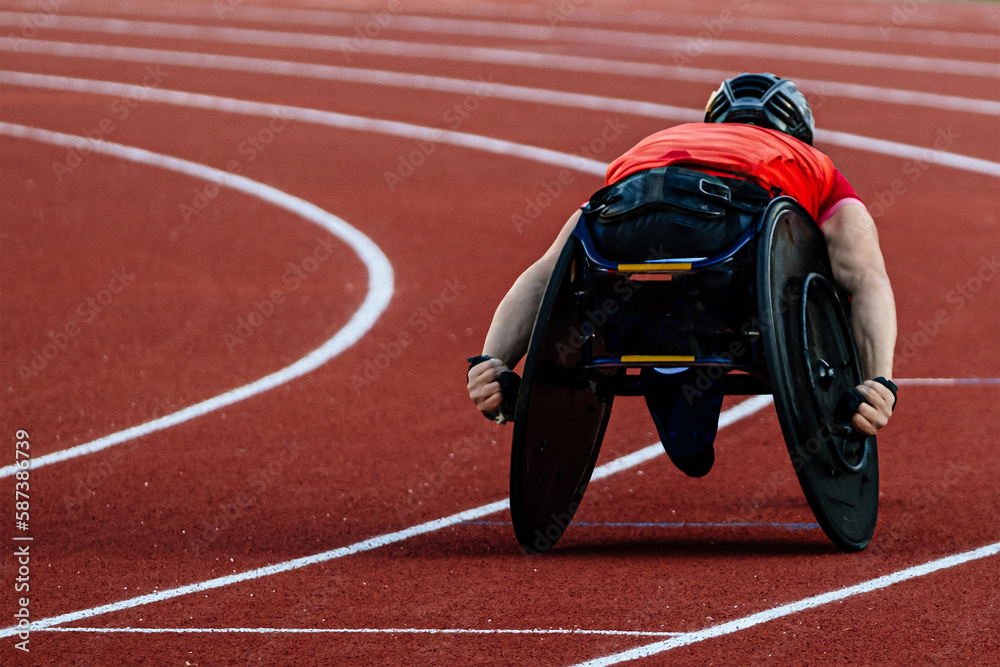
x,y
510,332
858,266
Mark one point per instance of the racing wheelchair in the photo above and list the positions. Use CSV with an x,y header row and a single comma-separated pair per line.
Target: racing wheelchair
x,y
759,313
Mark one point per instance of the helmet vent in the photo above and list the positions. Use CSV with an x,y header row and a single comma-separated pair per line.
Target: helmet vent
x,y
765,100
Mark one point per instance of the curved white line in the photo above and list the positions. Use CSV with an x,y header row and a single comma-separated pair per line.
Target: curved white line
x,y
726,418
315,116
477,142
401,130
795,53
464,86
343,121
380,282
861,24
672,21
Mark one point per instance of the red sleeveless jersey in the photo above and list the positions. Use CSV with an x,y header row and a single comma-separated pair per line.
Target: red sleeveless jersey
x,y
770,158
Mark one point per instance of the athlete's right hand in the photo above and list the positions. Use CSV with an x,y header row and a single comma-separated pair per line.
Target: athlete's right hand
x,y
484,389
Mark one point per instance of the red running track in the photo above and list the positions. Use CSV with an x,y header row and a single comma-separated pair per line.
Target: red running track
x,y
145,292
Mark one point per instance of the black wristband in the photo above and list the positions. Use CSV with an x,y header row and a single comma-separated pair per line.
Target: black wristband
x,y
891,386
475,361
510,385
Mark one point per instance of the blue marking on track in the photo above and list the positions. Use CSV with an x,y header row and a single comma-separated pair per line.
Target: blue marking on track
x,y
686,524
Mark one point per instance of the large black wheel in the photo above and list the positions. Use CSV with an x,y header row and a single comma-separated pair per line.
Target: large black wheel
x,y
560,418
812,362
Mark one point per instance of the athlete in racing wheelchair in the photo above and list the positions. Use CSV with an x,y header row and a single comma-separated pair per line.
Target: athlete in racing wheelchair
x,y
698,271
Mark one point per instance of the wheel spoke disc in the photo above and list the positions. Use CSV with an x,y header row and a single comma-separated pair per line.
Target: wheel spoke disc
x,y
811,360
560,419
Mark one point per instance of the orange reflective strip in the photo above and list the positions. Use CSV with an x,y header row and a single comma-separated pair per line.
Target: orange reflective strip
x,y
653,268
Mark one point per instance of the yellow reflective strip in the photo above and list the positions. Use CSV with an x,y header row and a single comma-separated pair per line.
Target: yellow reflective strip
x,y
653,268
637,358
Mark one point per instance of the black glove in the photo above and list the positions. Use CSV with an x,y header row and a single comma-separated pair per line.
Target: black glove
x,y
844,412
891,386
849,404
510,385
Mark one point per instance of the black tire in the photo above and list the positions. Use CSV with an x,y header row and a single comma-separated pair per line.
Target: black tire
x,y
560,418
812,360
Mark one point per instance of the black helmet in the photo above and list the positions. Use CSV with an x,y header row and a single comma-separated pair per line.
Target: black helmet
x,y
765,100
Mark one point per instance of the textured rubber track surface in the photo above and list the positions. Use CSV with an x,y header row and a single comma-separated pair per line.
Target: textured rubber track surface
x,y
137,291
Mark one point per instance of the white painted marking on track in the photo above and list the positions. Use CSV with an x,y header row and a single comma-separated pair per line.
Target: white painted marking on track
x,y
380,282
886,31
262,572
369,631
464,139
672,21
947,382
658,42
752,620
360,75
343,121
726,418
909,152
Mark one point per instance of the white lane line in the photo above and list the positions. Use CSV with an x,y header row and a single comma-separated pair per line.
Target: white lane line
x,y
331,119
750,621
907,151
380,268
380,282
482,89
370,631
358,547
861,25
673,22
268,570
348,45
947,382
868,15
472,141
307,115
491,89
